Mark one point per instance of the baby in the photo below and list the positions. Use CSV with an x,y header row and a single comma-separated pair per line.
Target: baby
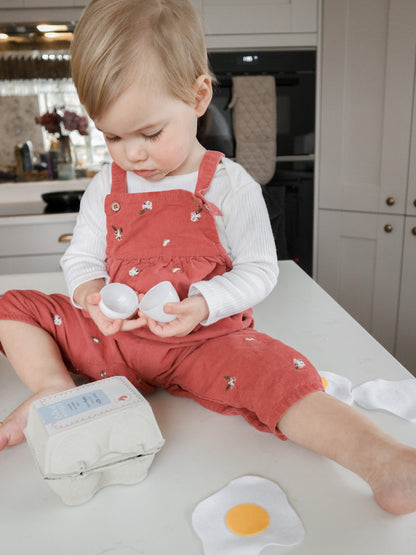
x,y
167,209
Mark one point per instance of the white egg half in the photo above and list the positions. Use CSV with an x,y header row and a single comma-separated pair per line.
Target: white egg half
x,y
337,386
245,516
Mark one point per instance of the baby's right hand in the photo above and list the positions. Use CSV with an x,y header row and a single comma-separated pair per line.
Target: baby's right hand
x,y
106,325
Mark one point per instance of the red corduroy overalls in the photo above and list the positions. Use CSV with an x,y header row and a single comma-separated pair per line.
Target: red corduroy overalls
x,y
171,235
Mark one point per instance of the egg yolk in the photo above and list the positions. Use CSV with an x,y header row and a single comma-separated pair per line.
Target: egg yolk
x,y
324,382
247,519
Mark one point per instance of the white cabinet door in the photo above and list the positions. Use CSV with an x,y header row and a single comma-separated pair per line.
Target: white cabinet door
x,y
411,192
359,264
268,16
11,4
35,11
33,247
47,3
368,61
406,329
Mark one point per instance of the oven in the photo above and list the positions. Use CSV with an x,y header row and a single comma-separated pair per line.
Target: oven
x,y
289,193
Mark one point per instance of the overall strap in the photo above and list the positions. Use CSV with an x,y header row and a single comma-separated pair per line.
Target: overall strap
x,y
118,179
206,173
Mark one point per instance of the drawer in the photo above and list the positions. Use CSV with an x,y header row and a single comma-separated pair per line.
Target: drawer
x,y
30,264
33,239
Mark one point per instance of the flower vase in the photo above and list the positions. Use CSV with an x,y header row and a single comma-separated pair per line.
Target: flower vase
x,y
66,166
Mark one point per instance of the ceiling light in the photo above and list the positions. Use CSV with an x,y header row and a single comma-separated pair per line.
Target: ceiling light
x,y
60,36
51,28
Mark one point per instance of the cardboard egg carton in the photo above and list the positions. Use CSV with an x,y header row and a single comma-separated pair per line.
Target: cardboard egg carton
x,y
92,436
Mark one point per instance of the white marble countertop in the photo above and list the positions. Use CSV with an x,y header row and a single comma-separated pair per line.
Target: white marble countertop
x,y
204,451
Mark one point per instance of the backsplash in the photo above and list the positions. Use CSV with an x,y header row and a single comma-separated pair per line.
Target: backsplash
x,y
17,125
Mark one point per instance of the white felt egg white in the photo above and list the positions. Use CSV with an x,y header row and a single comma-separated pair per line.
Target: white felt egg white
x,y
118,300
337,386
397,397
245,516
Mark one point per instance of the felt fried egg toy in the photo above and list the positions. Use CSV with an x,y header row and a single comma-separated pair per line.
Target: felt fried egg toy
x,y
397,397
337,386
244,517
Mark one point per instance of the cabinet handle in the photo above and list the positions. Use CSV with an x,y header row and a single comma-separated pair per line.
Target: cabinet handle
x,y
65,238
414,230
390,201
388,228
414,202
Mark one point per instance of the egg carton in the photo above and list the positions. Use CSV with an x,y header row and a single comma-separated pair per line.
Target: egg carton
x,y
92,436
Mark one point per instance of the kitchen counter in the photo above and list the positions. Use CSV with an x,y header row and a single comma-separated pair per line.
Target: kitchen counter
x,y
26,191
21,202
204,451
34,235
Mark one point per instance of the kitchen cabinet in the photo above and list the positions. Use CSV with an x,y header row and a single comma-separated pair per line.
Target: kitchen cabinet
x,y
12,4
34,243
53,3
367,174
46,11
273,23
360,256
406,334
272,16
368,58
230,24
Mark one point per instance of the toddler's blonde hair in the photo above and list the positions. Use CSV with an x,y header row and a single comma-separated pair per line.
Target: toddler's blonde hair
x,y
116,41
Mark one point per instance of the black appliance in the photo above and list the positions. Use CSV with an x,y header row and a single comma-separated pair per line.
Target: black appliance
x,y
289,194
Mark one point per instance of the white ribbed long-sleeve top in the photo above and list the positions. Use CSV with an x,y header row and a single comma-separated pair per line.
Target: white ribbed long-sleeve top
x,y
243,228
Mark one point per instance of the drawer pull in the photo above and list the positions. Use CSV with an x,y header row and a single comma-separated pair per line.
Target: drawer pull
x,y
388,228
65,238
414,230
390,201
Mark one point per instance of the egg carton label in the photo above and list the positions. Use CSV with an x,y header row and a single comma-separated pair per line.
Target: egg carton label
x,y
85,403
61,410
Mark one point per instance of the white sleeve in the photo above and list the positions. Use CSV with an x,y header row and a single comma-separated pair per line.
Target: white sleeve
x,y
84,260
252,251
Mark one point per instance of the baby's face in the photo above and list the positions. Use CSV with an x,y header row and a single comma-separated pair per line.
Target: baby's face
x,y
151,132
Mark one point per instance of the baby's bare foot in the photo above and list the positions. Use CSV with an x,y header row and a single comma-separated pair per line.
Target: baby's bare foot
x,y
11,429
395,486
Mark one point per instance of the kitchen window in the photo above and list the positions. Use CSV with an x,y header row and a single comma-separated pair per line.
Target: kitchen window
x,y
91,149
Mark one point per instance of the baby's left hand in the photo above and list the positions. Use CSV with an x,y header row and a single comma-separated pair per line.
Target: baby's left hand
x,y
190,312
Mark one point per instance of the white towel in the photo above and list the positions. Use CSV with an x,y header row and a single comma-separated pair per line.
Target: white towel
x,y
255,124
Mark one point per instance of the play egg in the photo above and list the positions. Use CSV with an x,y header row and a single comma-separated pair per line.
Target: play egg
x,y
118,300
155,299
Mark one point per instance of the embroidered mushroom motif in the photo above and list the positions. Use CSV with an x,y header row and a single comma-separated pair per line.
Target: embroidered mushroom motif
x,y
57,320
231,381
118,233
146,206
196,216
134,271
298,363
